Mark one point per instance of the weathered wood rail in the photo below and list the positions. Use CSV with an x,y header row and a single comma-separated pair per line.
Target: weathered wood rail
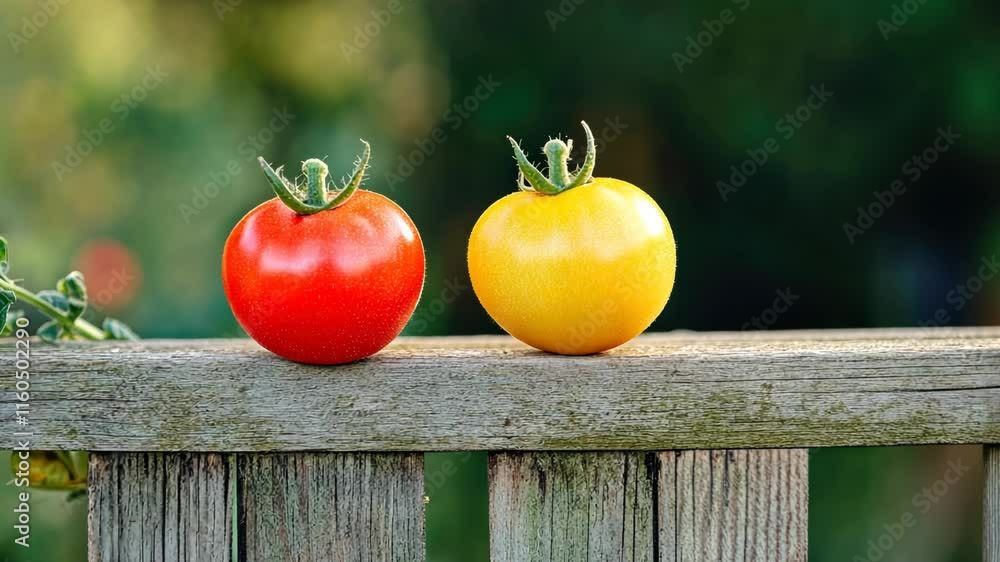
x,y
680,447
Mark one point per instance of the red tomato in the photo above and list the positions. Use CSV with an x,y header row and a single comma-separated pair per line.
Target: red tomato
x,y
323,286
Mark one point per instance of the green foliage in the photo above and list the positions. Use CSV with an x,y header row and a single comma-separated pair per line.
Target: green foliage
x,y
56,299
51,331
73,288
10,323
7,298
64,306
4,266
117,330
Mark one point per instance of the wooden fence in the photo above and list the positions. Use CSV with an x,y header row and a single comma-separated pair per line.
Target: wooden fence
x,y
676,448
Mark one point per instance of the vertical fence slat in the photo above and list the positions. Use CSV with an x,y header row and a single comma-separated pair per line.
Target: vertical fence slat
x,y
571,507
991,504
683,506
159,507
315,507
733,505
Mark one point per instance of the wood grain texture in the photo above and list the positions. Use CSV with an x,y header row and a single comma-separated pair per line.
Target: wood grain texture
x,y
730,506
674,391
155,507
571,507
674,506
991,504
312,507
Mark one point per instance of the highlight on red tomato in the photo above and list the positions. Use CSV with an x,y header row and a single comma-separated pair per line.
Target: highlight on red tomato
x,y
572,264
320,275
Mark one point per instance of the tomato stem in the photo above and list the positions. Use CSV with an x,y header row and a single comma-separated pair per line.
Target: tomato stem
x,y
529,172
558,153
315,196
316,172
585,172
559,179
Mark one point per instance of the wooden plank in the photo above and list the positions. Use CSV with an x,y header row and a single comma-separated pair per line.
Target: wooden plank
x,y
991,504
674,506
675,391
314,507
571,507
155,507
733,505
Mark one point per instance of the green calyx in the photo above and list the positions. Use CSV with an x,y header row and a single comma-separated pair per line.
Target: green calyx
x,y
315,195
559,179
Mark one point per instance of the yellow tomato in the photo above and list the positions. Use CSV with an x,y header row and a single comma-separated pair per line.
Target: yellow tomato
x,y
576,272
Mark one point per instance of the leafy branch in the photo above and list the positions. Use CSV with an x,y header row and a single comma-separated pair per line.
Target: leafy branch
x,y
64,306
55,470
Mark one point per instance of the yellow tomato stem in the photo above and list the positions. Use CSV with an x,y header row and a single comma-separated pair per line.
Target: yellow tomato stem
x,y
585,173
558,153
535,179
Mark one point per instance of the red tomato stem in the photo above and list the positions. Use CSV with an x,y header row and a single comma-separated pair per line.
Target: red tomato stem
x,y
316,172
315,196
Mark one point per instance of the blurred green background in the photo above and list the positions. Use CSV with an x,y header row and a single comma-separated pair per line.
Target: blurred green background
x,y
130,131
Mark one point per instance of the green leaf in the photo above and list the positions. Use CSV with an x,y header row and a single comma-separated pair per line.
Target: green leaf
x,y
118,330
79,464
56,299
4,265
10,324
50,331
75,290
7,298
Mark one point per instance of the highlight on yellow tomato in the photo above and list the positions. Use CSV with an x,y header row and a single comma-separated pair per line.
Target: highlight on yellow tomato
x,y
572,264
